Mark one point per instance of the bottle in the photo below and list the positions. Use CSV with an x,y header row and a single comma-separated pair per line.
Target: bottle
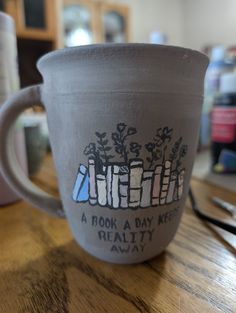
x,y
218,66
223,125
158,38
9,83
231,55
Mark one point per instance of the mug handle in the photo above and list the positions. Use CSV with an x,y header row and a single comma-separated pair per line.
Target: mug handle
x,y
9,165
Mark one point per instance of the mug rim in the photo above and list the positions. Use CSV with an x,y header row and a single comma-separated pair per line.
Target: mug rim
x,y
104,48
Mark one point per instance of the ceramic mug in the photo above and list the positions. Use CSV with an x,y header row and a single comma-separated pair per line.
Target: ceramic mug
x,y
123,124
9,84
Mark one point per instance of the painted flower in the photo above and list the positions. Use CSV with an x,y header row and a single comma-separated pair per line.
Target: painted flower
x,y
167,131
100,135
150,146
183,151
157,154
135,148
121,127
90,149
163,135
119,149
115,137
131,131
175,149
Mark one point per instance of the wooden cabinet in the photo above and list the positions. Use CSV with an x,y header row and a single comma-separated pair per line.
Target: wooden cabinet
x,y
45,25
69,22
36,19
38,29
90,21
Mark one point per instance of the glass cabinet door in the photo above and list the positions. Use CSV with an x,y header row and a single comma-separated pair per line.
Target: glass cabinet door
x,y
34,14
36,19
77,21
114,27
2,5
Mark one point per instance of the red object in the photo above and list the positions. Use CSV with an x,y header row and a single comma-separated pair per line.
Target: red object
x,y
223,125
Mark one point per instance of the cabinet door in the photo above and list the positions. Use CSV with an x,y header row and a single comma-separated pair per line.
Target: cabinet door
x,y
36,19
2,5
79,23
115,23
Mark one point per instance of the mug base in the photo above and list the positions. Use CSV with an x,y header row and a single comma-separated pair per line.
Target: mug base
x,y
128,260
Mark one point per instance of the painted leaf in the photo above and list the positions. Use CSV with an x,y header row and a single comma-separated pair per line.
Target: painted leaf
x,y
119,149
100,135
107,148
158,131
115,137
131,131
110,156
104,142
183,151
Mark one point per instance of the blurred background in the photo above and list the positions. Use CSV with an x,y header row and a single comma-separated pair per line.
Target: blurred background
x,y
206,25
44,25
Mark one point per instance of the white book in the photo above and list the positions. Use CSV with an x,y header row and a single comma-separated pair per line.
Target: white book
x,y
135,178
165,182
102,189
146,194
156,185
123,186
181,184
92,182
172,187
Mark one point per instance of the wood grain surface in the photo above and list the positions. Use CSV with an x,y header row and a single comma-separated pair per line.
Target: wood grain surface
x,y
43,270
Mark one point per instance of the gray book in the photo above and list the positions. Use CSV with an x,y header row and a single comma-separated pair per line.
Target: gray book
x,y
181,184
146,194
112,180
102,189
92,182
165,182
109,184
135,179
115,187
156,185
172,187
123,186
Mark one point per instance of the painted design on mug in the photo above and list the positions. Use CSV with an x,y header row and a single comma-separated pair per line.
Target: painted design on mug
x,y
128,184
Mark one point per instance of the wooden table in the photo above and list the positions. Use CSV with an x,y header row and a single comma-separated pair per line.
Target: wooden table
x,y
43,270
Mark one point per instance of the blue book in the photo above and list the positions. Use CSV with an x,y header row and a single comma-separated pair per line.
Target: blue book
x,y
81,187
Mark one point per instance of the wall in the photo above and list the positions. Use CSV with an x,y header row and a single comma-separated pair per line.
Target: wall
x,y
191,23
209,22
150,15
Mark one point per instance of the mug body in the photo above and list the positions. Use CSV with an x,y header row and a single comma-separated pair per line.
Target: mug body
x,y
123,123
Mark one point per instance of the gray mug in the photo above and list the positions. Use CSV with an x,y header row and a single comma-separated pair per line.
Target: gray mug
x,y
123,123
